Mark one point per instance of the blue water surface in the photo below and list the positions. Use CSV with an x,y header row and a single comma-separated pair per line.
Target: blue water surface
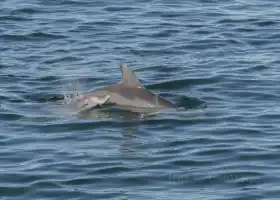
x,y
217,60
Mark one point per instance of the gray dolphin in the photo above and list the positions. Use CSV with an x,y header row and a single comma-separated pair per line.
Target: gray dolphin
x,y
128,94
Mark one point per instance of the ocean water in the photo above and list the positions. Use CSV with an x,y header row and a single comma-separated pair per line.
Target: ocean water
x,y
217,60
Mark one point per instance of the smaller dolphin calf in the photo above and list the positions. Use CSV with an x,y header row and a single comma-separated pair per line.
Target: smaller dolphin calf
x,y
128,94
85,102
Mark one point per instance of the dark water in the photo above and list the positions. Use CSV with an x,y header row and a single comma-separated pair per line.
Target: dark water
x,y
219,60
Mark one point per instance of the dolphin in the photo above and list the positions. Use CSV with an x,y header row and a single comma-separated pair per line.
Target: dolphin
x,y
128,94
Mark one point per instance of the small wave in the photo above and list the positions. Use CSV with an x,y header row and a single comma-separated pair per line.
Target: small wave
x,y
10,116
42,97
118,8
173,14
32,37
193,163
14,18
165,33
237,21
259,42
54,98
26,11
266,23
2,66
47,78
244,29
166,51
66,59
183,83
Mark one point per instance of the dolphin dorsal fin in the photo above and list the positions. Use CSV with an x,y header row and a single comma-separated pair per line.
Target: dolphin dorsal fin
x,y
129,79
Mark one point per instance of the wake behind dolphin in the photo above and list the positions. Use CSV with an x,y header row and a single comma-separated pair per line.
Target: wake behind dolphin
x,y
128,94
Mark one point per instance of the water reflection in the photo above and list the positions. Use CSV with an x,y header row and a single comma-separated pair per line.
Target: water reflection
x,y
131,134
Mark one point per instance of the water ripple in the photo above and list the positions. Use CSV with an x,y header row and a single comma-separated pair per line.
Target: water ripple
x,y
32,36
